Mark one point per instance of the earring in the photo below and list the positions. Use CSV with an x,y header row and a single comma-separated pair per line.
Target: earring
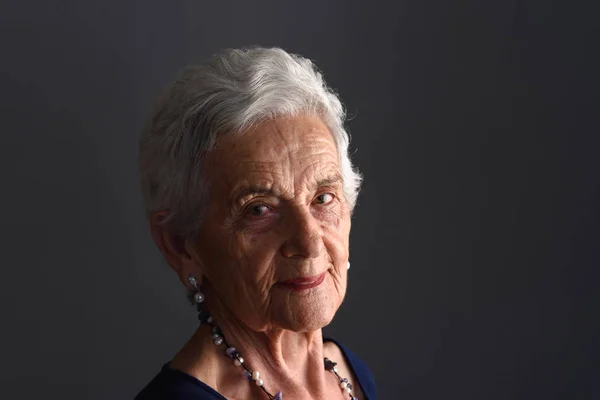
x,y
197,297
348,264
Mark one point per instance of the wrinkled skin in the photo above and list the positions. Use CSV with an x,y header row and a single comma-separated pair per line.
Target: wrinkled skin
x,y
276,212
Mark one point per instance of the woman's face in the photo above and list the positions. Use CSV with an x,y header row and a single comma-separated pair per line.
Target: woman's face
x,y
274,243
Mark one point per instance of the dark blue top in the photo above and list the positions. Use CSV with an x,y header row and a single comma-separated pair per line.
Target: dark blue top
x,y
177,385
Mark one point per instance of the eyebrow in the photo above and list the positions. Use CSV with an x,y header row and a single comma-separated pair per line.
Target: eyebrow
x,y
330,181
253,189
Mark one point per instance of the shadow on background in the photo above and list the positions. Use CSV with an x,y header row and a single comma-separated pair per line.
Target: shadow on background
x,y
474,244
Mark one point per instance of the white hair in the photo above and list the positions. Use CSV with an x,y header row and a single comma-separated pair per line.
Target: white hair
x,y
232,92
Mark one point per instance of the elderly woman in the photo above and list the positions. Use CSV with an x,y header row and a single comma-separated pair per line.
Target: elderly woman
x,y
249,190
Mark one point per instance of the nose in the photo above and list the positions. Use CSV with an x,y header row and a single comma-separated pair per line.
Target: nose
x,y
304,235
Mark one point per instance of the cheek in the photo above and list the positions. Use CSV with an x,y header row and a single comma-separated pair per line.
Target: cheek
x,y
253,246
336,229
254,255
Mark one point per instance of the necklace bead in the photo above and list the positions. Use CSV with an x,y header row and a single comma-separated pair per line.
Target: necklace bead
x,y
254,376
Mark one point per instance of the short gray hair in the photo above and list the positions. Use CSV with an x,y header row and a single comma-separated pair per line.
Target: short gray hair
x,y
235,90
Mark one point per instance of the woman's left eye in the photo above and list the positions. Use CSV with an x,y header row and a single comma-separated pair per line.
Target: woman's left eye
x,y
324,198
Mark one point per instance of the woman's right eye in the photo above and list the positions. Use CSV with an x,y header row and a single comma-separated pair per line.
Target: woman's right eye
x,y
257,210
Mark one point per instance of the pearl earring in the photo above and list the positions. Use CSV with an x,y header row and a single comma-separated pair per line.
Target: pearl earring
x,y
348,264
198,296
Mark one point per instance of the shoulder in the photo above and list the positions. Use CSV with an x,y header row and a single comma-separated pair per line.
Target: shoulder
x,y
336,351
176,385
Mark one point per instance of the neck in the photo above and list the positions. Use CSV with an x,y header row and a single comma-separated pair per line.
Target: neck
x,y
275,349
291,362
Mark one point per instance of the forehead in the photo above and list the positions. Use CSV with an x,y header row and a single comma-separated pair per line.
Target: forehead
x,y
300,147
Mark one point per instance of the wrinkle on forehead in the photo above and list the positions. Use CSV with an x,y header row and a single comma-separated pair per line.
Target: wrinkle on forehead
x,y
290,152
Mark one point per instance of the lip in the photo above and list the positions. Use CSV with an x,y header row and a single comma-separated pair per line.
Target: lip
x,y
304,283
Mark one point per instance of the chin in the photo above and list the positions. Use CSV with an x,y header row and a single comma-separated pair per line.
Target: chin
x,y
308,315
314,322
307,310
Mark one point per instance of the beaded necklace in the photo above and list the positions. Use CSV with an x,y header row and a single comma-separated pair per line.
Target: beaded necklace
x,y
255,376
204,318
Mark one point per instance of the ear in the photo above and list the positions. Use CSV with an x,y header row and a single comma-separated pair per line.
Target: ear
x,y
173,248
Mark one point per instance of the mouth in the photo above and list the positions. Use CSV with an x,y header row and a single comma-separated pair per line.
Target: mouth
x,y
304,283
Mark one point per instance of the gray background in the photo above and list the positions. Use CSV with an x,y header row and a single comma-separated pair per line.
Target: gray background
x,y
475,241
